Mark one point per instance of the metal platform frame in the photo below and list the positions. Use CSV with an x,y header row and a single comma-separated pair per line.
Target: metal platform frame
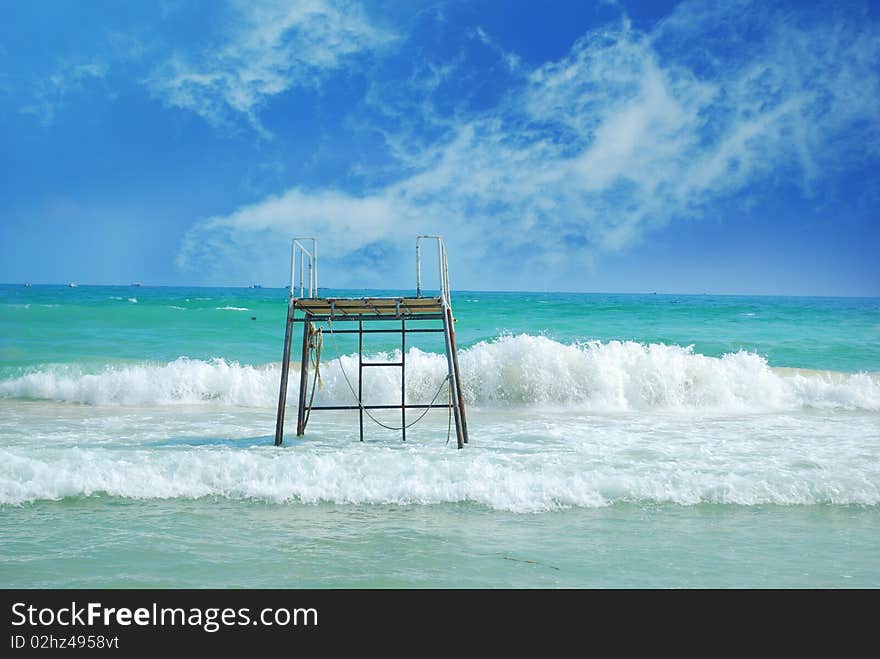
x,y
331,311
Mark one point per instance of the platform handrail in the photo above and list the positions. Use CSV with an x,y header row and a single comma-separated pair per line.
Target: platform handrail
x,y
443,267
299,249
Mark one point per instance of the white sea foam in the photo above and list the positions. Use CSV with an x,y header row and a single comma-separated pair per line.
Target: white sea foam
x,y
133,300
183,381
603,378
353,473
231,308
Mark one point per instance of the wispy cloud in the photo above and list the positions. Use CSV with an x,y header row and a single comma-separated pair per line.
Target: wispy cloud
x,y
629,131
48,94
267,47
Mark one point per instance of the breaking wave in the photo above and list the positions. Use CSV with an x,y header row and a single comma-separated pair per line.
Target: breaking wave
x,y
609,377
351,474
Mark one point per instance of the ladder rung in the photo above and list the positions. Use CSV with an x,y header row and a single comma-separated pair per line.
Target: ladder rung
x,y
323,318
409,406
382,364
386,331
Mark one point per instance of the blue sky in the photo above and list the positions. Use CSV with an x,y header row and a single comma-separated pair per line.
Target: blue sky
x,y
611,146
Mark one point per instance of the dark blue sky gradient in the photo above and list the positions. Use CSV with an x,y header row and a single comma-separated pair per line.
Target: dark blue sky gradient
x,y
111,174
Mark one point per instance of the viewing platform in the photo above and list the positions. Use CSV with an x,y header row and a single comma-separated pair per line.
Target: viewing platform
x,y
318,315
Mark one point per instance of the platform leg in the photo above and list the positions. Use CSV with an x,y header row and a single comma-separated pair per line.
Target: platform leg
x,y
303,379
447,322
459,395
361,377
403,378
285,368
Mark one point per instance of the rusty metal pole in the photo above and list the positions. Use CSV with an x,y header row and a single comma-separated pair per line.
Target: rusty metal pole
x,y
285,369
303,378
361,376
460,396
403,378
451,374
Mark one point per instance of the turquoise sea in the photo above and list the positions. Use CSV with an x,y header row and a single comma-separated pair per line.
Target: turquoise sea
x,y
616,441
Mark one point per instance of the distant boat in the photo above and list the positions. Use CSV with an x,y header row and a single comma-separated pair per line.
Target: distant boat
x,y
137,283
256,286
72,284
27,284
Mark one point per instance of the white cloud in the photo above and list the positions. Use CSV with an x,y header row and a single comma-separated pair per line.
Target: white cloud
x,y
629,131
346,221
270,47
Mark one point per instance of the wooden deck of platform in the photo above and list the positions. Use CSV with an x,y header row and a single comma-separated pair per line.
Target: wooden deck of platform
x,y
371,307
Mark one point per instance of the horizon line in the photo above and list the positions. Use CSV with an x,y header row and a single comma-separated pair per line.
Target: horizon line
x,y
459,290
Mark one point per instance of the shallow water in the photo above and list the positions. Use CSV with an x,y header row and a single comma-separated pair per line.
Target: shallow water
x,y
111,542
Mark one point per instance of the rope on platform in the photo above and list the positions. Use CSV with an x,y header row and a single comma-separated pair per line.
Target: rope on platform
x,y
316,343
445,380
